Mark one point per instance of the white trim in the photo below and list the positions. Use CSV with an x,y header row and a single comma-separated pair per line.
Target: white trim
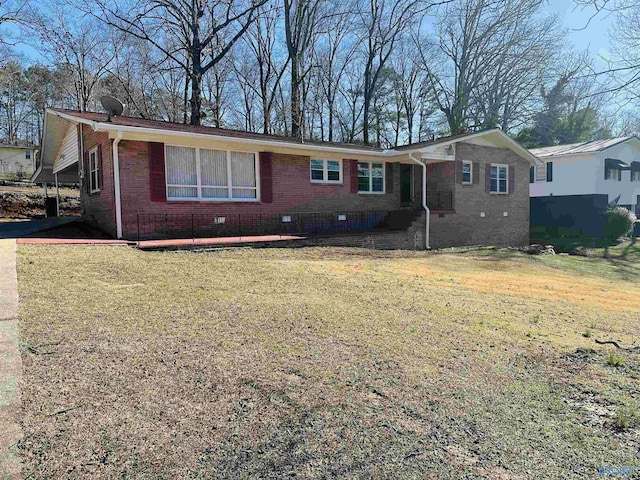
x,y
325,171
470,163
199,186
499,166
94,151
371,177
104,126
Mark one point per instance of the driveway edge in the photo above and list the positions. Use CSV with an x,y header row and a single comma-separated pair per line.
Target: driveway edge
x,y
10,363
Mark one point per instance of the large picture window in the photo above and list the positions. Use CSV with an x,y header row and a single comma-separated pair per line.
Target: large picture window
x,y
499,175
211,175
370,177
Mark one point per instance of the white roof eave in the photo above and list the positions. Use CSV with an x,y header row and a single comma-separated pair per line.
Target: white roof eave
x,y
426,152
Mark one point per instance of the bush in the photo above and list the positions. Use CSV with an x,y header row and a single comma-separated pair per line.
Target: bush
x,y
619,222
615,361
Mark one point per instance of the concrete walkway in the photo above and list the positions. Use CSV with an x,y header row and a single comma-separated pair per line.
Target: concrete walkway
x,y
10,363
20,228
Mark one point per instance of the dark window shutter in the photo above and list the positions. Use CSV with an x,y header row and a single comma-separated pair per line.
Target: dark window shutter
x,y
606,171
388,178
532,174
459,171
512,178
266,177
476,172
99,166
86,173
549,171
157,177
619,175
487,178
353,176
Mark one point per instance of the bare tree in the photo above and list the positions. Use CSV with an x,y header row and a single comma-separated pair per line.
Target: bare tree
x,y
383,23
77,43
11,11
301,20
195,34
260,44
333,56
486,53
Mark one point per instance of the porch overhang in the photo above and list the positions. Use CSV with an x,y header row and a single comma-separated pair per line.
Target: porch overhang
x,y
53,162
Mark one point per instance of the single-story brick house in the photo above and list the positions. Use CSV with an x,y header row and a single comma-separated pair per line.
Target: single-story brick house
x,y
139,177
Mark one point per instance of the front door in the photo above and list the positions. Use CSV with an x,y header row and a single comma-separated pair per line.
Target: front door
x,y
405,185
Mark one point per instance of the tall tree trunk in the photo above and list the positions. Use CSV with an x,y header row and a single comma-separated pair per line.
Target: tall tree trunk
x,y
296,113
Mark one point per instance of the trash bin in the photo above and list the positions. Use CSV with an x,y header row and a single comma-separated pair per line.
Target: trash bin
x,y
51,206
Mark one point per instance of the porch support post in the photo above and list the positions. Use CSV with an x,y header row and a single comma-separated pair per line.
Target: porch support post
x,y
424,199
57,196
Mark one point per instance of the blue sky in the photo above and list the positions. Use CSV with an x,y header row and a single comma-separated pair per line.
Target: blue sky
x,y
595,37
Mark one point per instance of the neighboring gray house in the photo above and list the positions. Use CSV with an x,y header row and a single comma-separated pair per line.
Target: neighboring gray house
x,y
17,161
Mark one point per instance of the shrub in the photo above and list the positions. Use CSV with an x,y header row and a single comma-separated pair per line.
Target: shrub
x,y
615,361
627,416
619,222
587,334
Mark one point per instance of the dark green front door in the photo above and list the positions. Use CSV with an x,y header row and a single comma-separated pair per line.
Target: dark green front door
x,y
405,185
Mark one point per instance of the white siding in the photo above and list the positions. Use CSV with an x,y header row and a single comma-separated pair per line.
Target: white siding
x,y
584,174
68,153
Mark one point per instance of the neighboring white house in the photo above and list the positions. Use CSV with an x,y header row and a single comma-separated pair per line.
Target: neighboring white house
x,y
17,161
609,167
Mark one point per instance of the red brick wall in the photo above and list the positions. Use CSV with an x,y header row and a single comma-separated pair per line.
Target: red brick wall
x,y
292,191
98,208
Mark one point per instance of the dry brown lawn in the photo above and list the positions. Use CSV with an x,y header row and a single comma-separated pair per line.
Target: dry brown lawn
x,y
325,363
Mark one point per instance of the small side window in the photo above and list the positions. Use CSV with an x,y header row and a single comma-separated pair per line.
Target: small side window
x,y
467,172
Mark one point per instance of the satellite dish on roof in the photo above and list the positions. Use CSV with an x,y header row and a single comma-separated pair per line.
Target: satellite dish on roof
x,y
112,105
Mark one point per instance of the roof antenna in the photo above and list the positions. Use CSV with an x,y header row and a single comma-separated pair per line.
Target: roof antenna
x,y
112,105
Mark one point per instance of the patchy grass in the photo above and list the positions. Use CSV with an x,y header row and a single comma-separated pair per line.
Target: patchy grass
x,y
323,363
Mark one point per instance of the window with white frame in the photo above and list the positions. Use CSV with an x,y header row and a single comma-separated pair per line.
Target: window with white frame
x,y
467,172
499,176
325,171
635,175
93,171
370,177
211,175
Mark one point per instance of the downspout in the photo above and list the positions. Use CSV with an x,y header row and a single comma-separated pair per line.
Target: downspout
x,y
81,169
116,183
424,199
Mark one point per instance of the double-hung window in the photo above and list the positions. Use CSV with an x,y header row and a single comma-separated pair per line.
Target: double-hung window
x,y
499,176
93,171
467,172
211,175
325,171
370,177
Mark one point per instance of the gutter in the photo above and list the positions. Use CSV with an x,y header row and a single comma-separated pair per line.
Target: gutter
x,y
116,183
424,199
